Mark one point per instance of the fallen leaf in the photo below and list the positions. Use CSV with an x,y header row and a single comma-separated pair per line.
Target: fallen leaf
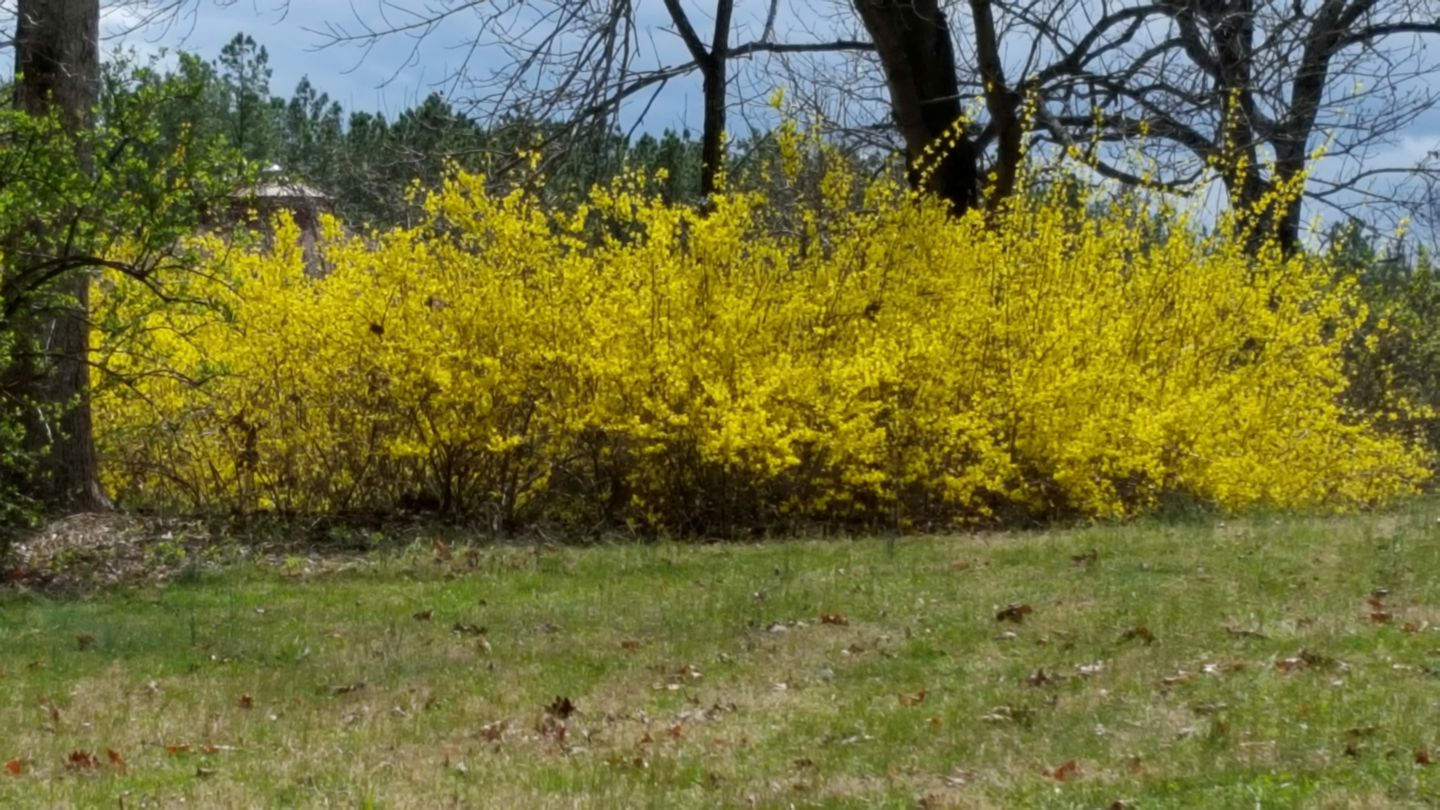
x,y
492,732
1069,770
177,749
245,702
1014,612
84,641
424,615
1423,757
1415,627
960,565
1379,617
15,767
1175,680
677,730
630,645
913,699
81,759
835,619
467,629
561,707
116,760
1042,678
1140,633
442,550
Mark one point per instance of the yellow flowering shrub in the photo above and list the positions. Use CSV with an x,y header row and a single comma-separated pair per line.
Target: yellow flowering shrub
x,y
852,354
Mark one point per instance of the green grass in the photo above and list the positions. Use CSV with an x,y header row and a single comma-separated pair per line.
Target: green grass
x,y
703,676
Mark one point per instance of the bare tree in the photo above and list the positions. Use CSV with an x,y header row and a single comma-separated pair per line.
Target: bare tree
x,y
912,41
579,61
1252,87
1004,53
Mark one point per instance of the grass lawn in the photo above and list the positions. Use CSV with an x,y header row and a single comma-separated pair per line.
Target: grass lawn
x,y
1258,662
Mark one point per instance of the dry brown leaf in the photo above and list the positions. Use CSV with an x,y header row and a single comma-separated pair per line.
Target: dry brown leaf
x,y
246,702
1069,770
630,645
1178,678
1423,757
424,615
1140,633
15,767
84,641
561,707
835,619
1014,612
1042,678
81,760
913,700
442,550
116,760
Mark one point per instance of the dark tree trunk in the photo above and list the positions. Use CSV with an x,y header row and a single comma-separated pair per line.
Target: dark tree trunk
x,y
715,70
912,39
713,62
57,64
1001,101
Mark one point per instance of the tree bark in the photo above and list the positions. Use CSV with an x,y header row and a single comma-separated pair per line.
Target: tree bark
x,y
57,66
713,62
912,39
1001,101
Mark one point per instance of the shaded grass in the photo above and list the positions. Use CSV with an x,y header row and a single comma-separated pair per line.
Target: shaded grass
x,y
704,675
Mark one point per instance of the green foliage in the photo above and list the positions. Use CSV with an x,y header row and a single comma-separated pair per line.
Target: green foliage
x,y
120,196
1394,361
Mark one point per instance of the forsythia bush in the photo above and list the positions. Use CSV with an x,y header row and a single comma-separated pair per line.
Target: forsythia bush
x,y
852,354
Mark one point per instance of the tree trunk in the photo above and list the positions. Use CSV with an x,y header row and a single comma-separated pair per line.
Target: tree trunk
x,y
912,40
57,66
714,62
1002,102
715,69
